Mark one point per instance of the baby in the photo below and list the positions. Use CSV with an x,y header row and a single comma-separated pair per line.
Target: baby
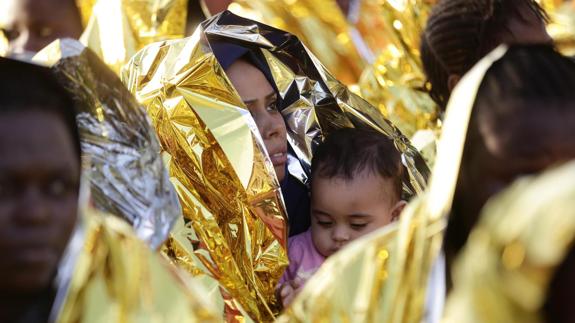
x,y
356,189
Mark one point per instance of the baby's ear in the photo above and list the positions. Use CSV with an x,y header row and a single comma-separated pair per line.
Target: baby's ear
x,y
397,209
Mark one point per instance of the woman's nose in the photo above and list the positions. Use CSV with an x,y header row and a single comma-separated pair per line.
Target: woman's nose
x,y
268,126
32,208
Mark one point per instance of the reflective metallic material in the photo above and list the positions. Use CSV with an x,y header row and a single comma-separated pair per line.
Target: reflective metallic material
x,y
127,173
116,29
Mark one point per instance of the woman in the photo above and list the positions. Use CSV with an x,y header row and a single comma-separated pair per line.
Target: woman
x,y
252,79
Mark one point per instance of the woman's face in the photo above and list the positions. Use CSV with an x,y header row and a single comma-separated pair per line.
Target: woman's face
x,y
261,100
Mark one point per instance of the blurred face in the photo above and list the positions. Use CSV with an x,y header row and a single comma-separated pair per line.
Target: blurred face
x,y
500,152
30,25
39,176
344,210
261,100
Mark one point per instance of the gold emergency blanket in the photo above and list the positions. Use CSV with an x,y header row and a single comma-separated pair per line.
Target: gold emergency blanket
x,y
395,82
383,277
504,272
216,158
235,223
562,26
127,173
116,29
108,275
345,47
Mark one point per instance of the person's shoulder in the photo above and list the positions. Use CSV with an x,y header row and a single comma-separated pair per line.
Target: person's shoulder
x,y
300,240
300,244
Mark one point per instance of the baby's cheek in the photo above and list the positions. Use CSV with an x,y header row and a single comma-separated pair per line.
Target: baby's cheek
x,y
322,240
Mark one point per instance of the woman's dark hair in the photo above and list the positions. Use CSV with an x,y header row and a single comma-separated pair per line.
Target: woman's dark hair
x,y
460,32
530,80
25,87
348,151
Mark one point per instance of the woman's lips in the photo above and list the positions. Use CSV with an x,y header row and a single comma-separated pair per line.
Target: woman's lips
x,y
279,159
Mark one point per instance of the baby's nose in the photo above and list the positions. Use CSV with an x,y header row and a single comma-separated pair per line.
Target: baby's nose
x,y
340,234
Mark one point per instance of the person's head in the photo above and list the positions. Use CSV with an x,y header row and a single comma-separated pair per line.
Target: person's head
x,y
262,101
39,176
460,32
30,25
356,187
522,123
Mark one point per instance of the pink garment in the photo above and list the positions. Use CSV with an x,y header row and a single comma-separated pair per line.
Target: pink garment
x,y
303,257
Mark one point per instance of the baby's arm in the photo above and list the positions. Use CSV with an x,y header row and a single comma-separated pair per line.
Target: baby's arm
x,y
289,289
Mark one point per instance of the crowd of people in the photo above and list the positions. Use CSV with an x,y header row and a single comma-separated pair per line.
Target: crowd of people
x,y
297,199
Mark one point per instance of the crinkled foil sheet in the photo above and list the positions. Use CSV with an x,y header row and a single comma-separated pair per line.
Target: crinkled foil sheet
x,y
235,221
323,28
562,26
109,275
395,82
196,111
522,238
116,29
127,173
383,277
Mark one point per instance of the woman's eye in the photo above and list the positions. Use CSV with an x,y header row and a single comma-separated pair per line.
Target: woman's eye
x,y
273,107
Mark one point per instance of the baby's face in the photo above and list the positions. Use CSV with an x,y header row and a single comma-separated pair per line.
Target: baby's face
x,y
344,210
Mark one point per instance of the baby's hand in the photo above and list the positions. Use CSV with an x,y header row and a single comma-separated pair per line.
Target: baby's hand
x,y
289,290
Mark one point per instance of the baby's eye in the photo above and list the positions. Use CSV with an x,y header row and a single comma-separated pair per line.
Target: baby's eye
x,y
325,224
358,226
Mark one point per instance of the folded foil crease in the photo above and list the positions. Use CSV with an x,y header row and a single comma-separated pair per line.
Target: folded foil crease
x,y
113,276
127,174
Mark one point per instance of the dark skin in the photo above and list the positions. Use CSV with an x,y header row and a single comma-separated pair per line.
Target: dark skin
x,y
39,181
33,24
499,150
